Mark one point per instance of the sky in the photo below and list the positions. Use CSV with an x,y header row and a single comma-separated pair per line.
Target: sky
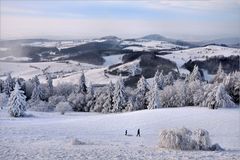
x,y
79,19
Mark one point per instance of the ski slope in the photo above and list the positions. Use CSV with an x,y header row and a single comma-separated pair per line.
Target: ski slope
x,y
49,135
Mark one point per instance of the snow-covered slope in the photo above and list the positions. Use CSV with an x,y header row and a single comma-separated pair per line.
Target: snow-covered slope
x,y
49,135
147,45
200,53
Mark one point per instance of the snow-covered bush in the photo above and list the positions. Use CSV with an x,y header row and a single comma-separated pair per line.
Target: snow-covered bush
x,y
177,139
42,106
201,136
185,139
63,107
17,102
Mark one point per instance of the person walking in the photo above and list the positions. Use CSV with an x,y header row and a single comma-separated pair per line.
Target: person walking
x,y
125,132
138,133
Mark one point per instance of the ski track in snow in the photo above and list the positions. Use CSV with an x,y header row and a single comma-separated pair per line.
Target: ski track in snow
x,y
49,135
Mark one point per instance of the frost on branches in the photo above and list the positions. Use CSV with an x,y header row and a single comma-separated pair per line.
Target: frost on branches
x,y
119,98
153,97
17,102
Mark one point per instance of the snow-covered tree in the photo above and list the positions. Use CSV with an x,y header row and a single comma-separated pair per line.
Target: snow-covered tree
x,y
232,83
50,84
8,85
194,76
64,89
153,97
222,98
141,91
130,105
168,79
17,102
39,92
168,97
135,70
90,98
210,97
159,79
63,107
219,77
77,101
82,84
108,102
119,98
100,99
181,93
3,100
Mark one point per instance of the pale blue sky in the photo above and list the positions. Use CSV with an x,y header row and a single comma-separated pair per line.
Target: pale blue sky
x,y
189,19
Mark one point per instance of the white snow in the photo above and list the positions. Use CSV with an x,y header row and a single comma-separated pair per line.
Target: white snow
x,y
113,59
50,135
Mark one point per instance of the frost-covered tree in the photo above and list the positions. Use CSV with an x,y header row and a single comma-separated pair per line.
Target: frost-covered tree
x,y
39,92
135,70
82,84
17,102
63,107
168,79
90,98
141,91
35,98
194,76
108,102
232,83
219,77
100,99
194,92
50,84
168,96
222,98
130,105
77,101
64,89
210,97
119,98
159,79
8,85
153,97
181,93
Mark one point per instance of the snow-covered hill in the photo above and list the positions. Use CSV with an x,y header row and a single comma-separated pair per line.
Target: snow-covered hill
x,y
49,135
201,53
148,45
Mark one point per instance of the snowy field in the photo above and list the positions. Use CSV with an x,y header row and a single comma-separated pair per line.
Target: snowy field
x,y
49,135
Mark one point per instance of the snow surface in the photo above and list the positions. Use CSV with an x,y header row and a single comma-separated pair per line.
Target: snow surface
x,y
50,135
113,59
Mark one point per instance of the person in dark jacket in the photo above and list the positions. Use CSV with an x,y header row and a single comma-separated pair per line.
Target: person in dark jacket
x,y
125,132
138,133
